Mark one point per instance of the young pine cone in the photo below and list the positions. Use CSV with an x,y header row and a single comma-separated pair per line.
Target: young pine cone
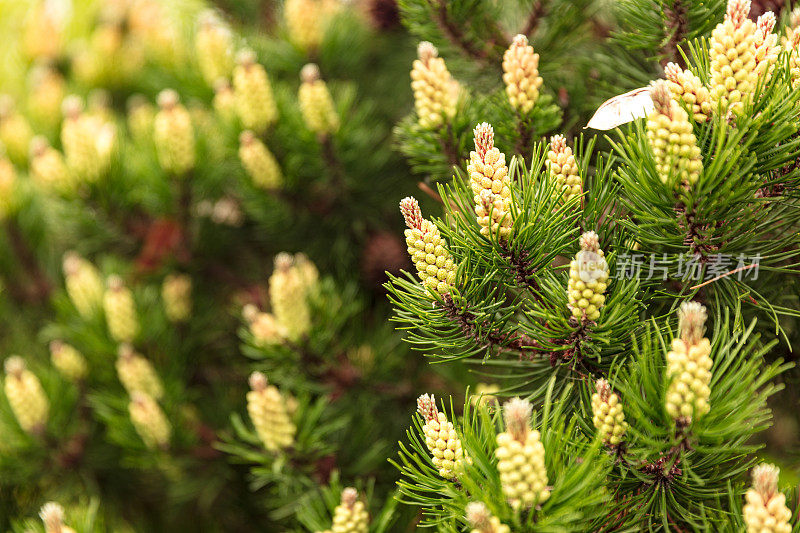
x,y
731,51
120,309
563,170
269,413
26,396
426,246
83,283
68,361
689,366
588,278
263,326
350,516
15,131
176,293
213,45
48,89
48,168
173,135
137,373
685,86
8,187
316,103
670,135
520,456
765,509
482,521
149,420
521,75
440,438
252,93
307,20
259,162
79,140
491,186
290,285
607,414
435,91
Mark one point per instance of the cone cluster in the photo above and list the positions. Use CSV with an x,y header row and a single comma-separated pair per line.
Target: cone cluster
x,y
765,509
213,44
137,374
689,366
440,438
350,516
120,310
520,457
588,279
48,168
491,187
482,521
88,140
25,396
176,293
252,93
607,414
426,246
173,135
670,135
316,103
68,361
269,412
149,420
732,57
292,283
521,74
563,169
84,285
258,162
307,20
686,87
435,90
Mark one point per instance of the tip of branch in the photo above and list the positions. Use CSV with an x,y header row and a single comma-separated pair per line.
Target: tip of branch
x,y
426,406
477,515
309,73
737,11
14,365
257,381
484,138
765,480
349,497
517,414
426,51
692,322
590,242
662,98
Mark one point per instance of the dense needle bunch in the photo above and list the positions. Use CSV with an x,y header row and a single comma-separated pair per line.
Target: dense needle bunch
x,y
521,74
520,457
685,86
426,246
25,396
173,135
490,184
316,104
588,279
440,438
563,169
765,509
689,366
435,91
671,138
258,162
270,414
252,93
607,414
